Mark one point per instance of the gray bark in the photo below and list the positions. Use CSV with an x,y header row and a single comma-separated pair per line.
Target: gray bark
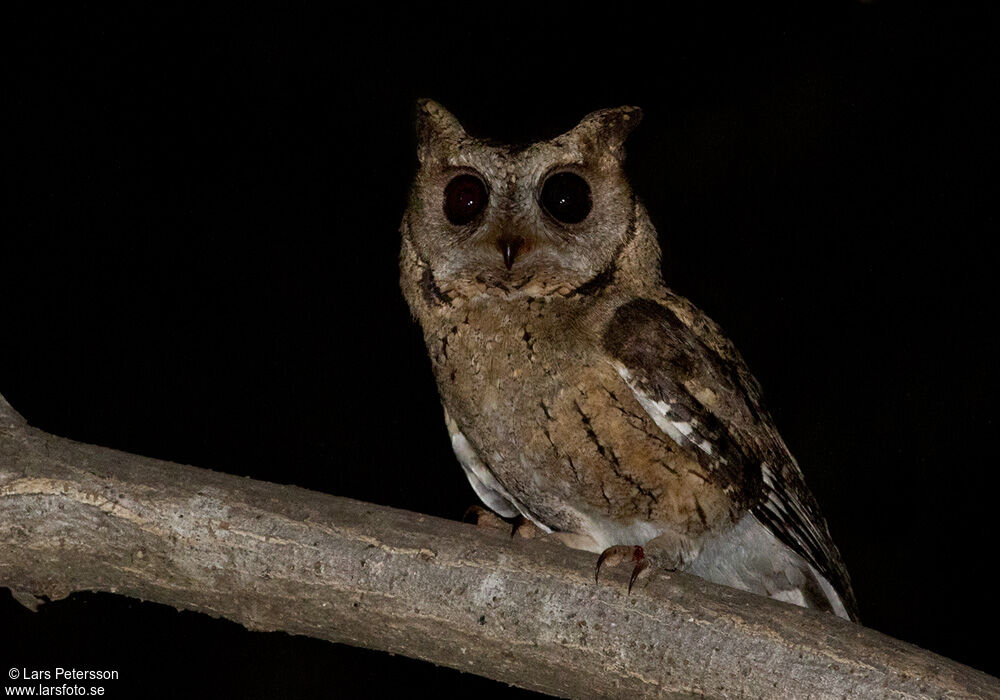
x,y
76,517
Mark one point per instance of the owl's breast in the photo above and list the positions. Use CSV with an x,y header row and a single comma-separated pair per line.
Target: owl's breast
x,y
556,426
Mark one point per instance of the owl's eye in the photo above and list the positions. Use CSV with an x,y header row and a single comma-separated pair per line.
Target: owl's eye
x,y
464,197
566,197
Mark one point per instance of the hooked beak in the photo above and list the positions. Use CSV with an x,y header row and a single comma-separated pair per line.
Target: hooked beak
x,y
509,247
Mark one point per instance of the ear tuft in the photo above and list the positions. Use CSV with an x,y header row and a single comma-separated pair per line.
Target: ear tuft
x,y
436,126
608,128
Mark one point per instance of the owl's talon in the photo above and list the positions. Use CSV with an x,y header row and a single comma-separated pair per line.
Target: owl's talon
x,y
516,525
639,568
471,514
519,522
483,517
613,556
524,528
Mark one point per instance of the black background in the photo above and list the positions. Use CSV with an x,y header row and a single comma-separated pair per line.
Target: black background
x,y
199,263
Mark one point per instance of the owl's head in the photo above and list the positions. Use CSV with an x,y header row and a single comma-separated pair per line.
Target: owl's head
x,y
548,218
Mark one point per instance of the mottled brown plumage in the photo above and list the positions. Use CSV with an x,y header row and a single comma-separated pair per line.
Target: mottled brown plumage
x,y
578,390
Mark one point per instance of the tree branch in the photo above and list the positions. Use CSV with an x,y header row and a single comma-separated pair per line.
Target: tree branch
x,y
79,517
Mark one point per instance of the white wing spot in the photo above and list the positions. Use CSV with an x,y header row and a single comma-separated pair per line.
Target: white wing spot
x,y
679,431
767,477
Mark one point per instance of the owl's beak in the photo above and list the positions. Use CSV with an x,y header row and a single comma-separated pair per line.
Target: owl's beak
x,y
510,246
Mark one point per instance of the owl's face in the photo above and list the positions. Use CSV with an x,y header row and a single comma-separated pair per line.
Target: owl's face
x,y
539,220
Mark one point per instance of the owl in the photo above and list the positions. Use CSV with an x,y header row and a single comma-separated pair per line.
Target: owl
x,y
580,393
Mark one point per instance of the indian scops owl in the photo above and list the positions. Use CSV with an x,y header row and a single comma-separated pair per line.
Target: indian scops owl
x,y
579,391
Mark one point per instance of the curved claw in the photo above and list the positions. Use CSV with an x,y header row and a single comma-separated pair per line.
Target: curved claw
x,y
471,514
484,518
525,528
639,568
600,560
617,555
518,523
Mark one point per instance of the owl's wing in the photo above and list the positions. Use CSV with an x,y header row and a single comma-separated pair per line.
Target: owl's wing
x,y
693,383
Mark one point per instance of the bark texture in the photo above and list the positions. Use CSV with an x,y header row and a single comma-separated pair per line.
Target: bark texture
x,y
76,517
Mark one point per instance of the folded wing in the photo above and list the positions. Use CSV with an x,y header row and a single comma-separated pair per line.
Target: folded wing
x,y
693,383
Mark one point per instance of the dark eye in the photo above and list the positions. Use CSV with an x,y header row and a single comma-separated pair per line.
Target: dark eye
x,y
464,198
566,196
